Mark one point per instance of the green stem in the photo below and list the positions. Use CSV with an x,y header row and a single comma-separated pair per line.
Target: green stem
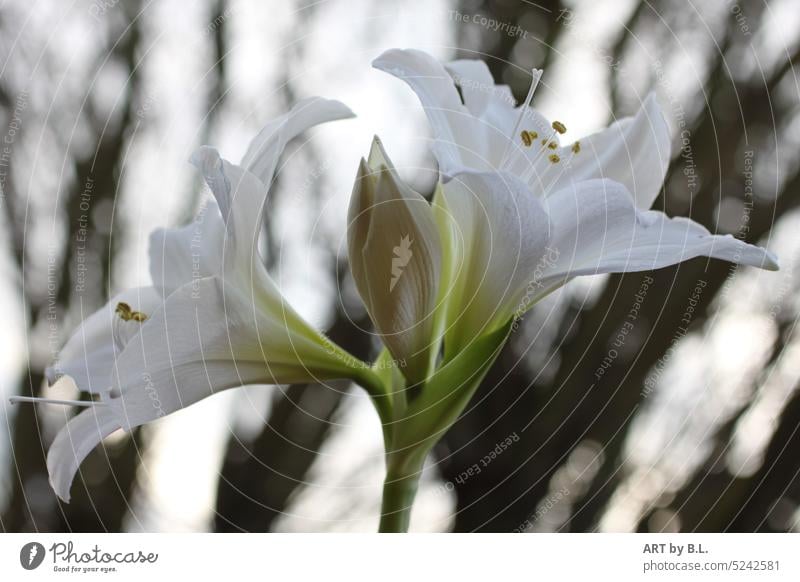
x,y
399,490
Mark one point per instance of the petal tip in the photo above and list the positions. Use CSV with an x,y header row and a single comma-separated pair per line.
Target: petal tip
x,y
385,58
378,159
771,262
206,159
52,375
336,109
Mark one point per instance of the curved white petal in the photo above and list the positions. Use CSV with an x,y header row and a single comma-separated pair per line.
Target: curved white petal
x,y
395,258
458,138
223,239
181,255
265,149
241,197
74,442
89,354
208,337
634,151
502,123
477,86
597,229
498,233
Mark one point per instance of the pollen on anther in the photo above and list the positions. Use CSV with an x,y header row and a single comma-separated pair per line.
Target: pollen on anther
x,y
127,314
576,147
559,127
527,138
554,158
552,145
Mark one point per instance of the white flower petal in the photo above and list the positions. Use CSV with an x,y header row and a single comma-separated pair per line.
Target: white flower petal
x,y
477,85
181,255
240,196
208,337
74,442
458,142
497,232
266,148
89,354
501,148
634,151
597,229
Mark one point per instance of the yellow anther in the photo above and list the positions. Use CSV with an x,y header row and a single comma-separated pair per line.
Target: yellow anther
x,y
127,314
552,145
559,127
576,147
138,316
554,158
544,142
528,137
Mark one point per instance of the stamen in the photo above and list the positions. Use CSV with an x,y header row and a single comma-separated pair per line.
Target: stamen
x,y
123,310
563,161
552,145
559,127
34,399
528,137
536,75
127,314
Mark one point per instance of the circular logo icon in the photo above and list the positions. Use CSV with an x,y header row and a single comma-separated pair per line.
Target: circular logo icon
x,y
31,555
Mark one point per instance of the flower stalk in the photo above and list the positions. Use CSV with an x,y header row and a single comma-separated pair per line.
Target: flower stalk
x,y
399,490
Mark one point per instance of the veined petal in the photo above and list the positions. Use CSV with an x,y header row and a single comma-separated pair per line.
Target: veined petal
x,y
495,108
89,354
240,197
499,123
181,255
597,229
395,258
477,86
208,337
498,233
458,141
205,338
634,151
74,442
240,193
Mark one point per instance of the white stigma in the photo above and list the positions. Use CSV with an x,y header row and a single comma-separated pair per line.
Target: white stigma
x,y
33,399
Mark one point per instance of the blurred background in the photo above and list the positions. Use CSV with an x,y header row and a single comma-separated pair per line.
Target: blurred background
x,y
688,423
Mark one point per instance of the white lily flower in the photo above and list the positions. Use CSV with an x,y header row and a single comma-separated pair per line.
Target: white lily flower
x,y
213,320
520,214
395,258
